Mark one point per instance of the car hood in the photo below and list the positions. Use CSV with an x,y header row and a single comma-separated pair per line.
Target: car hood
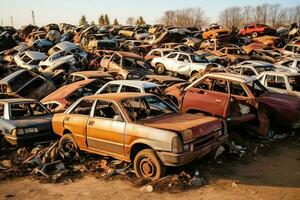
x,y
280,99
190,126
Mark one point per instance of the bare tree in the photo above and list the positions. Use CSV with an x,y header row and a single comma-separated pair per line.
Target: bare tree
x,y
185,17
293,15
130,21
276,17
231,17
247,14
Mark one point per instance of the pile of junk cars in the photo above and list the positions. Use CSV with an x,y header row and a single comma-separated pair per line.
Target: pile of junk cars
x,y
155,96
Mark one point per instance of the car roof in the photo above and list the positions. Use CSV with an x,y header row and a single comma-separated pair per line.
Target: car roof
x,y
138,83
164,78
280,73
257,62
117,96
66,45
127,54
35,55
233,77
162,49
66,90
89,74
17,100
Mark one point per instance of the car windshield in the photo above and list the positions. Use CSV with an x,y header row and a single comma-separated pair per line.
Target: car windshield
x,y
146,107
130,63
166,52
20,80
30,109
236,51
256,88
198,59
261,69
294,82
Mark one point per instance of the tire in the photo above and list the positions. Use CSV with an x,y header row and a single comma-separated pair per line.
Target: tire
x,y
254,34
147,165
68,148
160,69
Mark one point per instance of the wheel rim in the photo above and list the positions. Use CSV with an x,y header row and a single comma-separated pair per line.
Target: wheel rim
x,y
160,69
68,149
147,168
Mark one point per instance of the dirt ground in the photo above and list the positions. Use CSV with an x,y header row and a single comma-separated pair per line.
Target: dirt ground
x,y
274,173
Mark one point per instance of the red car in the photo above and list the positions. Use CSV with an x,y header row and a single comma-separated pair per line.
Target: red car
x,y
254,30
238,99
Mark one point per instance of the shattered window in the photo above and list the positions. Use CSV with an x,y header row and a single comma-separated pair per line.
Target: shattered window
x,y
21,80
106,109
275,82
83,108
205,84
248,72
20,110
237,89
294,82
220,86
126,88
32,86
146,107
110,88
1,110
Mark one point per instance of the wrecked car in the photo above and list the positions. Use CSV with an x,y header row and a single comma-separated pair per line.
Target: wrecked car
x,y
238,99
125,65
215,31
181,63
136,128
97,41
26,84
291,63
62,98
68,47
24,121
254,30
84,75
233,54
284,83
29,59
166,81
154,53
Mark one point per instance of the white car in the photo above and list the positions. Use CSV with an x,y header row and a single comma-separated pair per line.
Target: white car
x,y
279,82
291,50
29,59
186,64
256,68
68,47
291,63
119,86
57,59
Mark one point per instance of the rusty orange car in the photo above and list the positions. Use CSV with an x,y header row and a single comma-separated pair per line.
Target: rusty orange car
x,y
135,127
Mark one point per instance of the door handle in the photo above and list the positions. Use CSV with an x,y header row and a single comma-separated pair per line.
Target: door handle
x,y
91,123
67,118
218,101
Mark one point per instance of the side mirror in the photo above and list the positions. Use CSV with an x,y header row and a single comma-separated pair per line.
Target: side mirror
x,y
118,118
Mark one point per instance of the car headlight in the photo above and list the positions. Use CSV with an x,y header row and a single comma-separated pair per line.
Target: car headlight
x,y
20,131
176,145
187,134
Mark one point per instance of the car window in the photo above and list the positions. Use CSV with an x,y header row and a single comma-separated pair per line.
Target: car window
x,y
288,63
20,110
1,110
146,107
110,88
237,89
78,78
26,59
106,109
248,72
205,84
20,80
70,79
83,108
237,70
294,82
298,65
126,88
32,86
275,82
156,53
288,48
183,58
220,86
173,55
116,59
51,106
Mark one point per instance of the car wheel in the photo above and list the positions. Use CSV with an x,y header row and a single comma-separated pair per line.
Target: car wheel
x,y
148,165
68,148
254,34
160,69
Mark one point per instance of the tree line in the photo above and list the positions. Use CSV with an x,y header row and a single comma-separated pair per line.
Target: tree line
x,y
104,20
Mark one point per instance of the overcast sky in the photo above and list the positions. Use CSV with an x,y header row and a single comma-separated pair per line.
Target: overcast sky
x,y
69,11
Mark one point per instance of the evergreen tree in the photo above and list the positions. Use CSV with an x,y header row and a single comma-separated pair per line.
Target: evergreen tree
x,y
116,22
106,18
101,21
82,21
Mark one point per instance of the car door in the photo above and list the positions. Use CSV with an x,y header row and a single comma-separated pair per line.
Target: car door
x,y
170,61
183,64
76,121
276,84
105,129
209,95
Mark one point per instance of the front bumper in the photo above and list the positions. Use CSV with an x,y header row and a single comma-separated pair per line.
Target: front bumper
x,y
179,159
30,138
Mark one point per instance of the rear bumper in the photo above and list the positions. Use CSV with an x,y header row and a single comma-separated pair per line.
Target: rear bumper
x,y
30,139
174,159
